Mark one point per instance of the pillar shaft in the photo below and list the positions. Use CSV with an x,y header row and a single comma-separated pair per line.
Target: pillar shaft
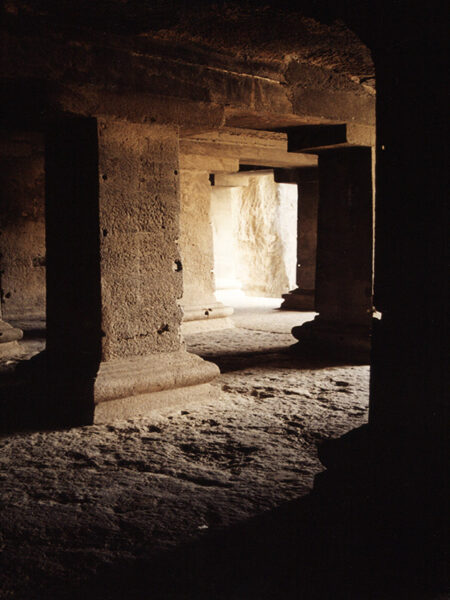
x,y
345,247
344,255
307,180
113,269
200,307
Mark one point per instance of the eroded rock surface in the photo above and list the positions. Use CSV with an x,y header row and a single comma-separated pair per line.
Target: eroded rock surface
x,y
79,501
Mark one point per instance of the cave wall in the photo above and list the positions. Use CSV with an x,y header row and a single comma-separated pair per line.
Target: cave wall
x,y
22,227
225,207
256,236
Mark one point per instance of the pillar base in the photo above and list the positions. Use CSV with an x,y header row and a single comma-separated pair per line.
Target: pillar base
x,y
206,317
9,337
343,341
137,386
48,391
298,299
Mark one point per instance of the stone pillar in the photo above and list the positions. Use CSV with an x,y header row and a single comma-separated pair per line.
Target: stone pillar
x,y
344,257
307,180
201,309
113,272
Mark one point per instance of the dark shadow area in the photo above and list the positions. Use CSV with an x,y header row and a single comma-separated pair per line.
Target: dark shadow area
x,y
33,400
352,538
283,357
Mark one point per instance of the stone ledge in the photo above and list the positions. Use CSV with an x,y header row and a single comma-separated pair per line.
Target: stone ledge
x,y
299,300
139,406
206,325
146,375
213,310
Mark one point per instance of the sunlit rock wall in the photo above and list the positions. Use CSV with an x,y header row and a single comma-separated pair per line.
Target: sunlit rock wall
x,y
225,209
267,237
256,236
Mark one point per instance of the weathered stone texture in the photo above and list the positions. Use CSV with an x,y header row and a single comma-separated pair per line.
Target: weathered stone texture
x,y
196,243
200,308
139,220
22,227
266,233
274,64
225,204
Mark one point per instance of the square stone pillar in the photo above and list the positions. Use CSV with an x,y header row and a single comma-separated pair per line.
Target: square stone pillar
x,y
201,310
307,181
113,272
344,257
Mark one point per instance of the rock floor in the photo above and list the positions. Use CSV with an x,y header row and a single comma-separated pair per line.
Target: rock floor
x,y
79,501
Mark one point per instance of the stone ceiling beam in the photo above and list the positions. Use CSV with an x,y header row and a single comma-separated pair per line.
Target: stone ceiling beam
x,y
250,147
212,164
240,179
316,138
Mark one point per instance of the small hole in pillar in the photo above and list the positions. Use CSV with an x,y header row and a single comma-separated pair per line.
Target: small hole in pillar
x,y
105,232
207,313
104,177
8,295
177,265
175,172
163,329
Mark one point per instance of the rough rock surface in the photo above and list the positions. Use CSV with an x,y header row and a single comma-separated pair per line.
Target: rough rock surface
x,y
195,242
22,226
80,501
267,237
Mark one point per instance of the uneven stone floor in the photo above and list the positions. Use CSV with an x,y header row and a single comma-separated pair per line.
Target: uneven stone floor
x,y
79,501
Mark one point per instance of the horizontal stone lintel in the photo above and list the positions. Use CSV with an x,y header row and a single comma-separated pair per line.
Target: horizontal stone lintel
x,y
211,164
142,375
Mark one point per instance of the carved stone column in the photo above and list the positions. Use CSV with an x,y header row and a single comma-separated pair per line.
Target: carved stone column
x,y
307,180
201,310
114,348
344,257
